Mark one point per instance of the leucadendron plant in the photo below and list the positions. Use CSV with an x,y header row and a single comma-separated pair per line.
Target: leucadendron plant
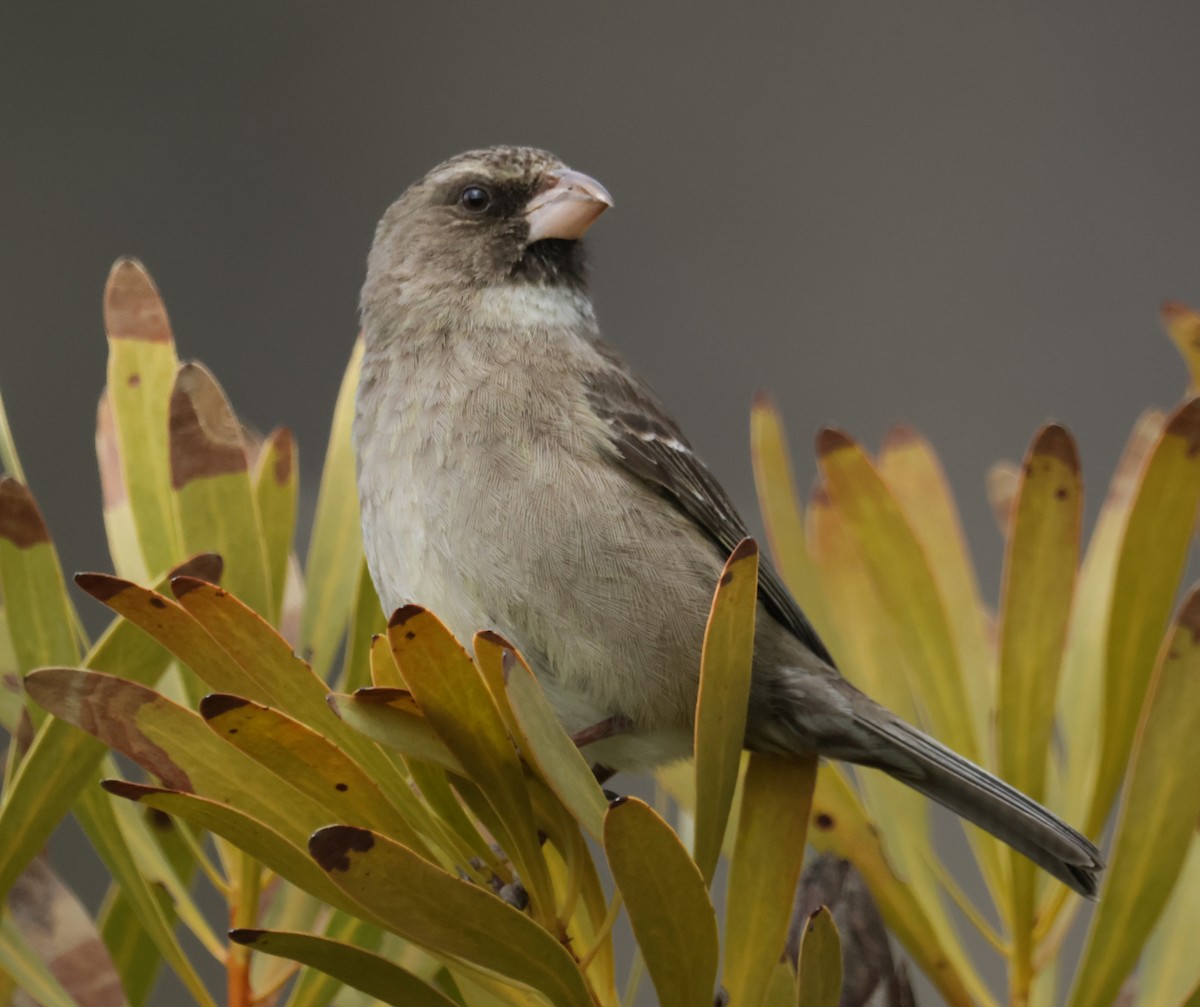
x,y
390,818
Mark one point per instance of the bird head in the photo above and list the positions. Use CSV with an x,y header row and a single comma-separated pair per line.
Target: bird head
x,y
486,217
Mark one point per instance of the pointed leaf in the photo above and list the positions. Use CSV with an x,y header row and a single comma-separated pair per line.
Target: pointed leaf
x,y
367,622
141,371
720,729
449,916
914,475
1161,800
456,702
335,550
819,976
311,763
211,479
1039,580
40,618
557,758
174,744
780,505
358,969
764,871
1153,554
276,486
667,901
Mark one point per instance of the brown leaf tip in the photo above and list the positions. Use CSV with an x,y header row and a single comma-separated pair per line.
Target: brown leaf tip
x,y
830,439
217,703
491,636
20,520
763,402
331,847
206,566
133,308
101,586
1176,311
1185,423
403,614
205,437
746,548
186,585
900,436
246,935
1189,615
131,791
381,694
1055,441
616,802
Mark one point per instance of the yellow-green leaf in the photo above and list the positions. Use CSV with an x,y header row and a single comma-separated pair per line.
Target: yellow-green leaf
x,y
311,763
764,871
367,623
914,475
780,506
1153,554
245,831
141,372
819,975
445,914
557,758
840,825
720,729
1158,816
668,904
40,618
1169,969
120,528
335,551
458,705
210,475
391,717
1039,579
276,486
359,969
1081,693
173,744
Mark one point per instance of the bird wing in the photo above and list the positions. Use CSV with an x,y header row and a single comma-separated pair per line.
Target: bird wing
x,y
654,449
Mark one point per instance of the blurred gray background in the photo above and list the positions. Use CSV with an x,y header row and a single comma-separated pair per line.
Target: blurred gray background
x,y
961,216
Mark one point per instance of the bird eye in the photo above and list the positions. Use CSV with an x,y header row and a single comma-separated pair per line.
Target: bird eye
x,y
475,198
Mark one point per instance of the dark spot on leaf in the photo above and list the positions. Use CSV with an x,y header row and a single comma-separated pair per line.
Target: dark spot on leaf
x,y
205,438
1061,493
410,635
726,577
341,786
823,822
206,566
1186,424
134,380
1055,441
744,549
331,847
245,935
130,791
157,602
285,446
830,439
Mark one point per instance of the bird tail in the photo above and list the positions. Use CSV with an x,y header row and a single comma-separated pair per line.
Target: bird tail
x,y
927,766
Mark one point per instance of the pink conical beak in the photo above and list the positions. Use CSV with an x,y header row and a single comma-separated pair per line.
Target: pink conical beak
x,y
567,207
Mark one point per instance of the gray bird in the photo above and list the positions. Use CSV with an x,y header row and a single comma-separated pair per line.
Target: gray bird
x,y
516,475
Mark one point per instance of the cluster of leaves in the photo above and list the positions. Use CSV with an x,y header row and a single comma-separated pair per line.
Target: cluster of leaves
x,y
411,825
1083,690
417,831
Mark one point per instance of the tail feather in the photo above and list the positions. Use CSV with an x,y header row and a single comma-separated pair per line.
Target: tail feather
x,y
944,776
